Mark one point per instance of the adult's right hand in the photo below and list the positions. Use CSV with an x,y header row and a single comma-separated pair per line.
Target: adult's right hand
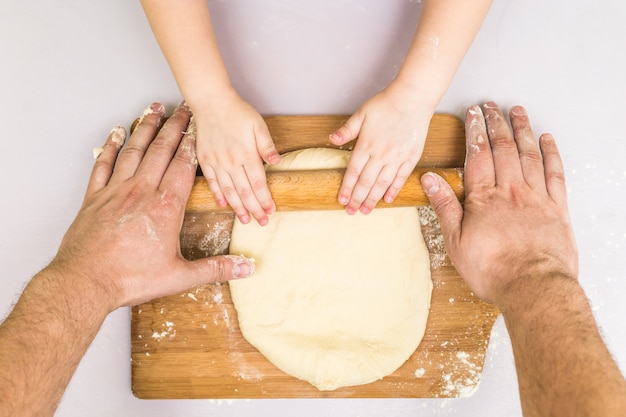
x,y
514,223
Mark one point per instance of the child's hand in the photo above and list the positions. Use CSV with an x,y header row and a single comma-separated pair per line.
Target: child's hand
x,y
232,143
391,127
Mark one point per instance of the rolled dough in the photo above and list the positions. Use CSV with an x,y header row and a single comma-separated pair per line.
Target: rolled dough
x,y
336,300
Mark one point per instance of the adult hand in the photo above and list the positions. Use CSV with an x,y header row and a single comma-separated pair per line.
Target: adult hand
x,y
125,238
391,128
514,223
233,142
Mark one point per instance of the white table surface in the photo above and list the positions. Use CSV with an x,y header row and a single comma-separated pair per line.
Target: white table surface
x,y
71,70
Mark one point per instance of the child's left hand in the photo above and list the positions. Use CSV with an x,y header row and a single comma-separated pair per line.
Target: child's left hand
x,y
391,127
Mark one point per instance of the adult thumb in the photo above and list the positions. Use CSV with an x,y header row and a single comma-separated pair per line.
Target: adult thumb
x,y
447,207
222,268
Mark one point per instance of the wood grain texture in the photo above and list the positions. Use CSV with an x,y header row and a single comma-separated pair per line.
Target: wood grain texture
x,y
317,190
189,345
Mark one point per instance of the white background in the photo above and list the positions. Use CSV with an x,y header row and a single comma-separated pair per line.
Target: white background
x,y
70,70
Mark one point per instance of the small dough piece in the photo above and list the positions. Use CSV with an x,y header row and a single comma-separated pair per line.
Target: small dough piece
x,y
336,300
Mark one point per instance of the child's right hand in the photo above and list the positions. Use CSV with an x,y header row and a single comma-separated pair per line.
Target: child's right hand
x,y
232,143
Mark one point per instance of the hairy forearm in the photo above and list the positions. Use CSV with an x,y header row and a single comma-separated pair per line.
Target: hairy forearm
x,y
563,365
185,34
444,33
43,339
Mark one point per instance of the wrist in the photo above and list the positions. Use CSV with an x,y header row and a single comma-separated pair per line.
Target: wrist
x,y
415,96
82,291
534,293
209,95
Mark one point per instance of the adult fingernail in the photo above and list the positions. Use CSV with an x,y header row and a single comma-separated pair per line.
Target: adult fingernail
x,y
157,107
475,110
153,108
343,200
517,111
243,267
118,136
430,184
97,152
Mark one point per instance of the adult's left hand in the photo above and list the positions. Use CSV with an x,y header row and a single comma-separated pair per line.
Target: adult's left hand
x,y
125,239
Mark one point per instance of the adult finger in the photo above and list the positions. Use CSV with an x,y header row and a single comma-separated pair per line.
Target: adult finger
x,y
131,156
479,168
553,168
447,207
217,269
528,148
105,160
159,154
181,172
503,147
188,274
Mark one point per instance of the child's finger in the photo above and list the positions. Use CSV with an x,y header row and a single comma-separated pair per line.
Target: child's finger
x,y
265,146
349,131
383,181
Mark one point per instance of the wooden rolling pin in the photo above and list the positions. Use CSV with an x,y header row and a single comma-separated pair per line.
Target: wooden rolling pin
x,y
317,190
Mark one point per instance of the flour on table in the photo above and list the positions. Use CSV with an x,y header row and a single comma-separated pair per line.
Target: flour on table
x,y
336,300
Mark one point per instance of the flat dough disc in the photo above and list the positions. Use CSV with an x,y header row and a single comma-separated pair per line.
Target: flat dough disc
x,y
336,300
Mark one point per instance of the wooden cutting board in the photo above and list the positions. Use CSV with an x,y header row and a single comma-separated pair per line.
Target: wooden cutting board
x,y
189,345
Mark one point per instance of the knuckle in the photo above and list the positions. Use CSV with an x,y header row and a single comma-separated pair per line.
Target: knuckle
x,y
133,150
218,270
229,190
557,177
401,178
502,141
245,192
441,205
352,173
531,155
161,142
258,184
383,183
366,182
214,186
